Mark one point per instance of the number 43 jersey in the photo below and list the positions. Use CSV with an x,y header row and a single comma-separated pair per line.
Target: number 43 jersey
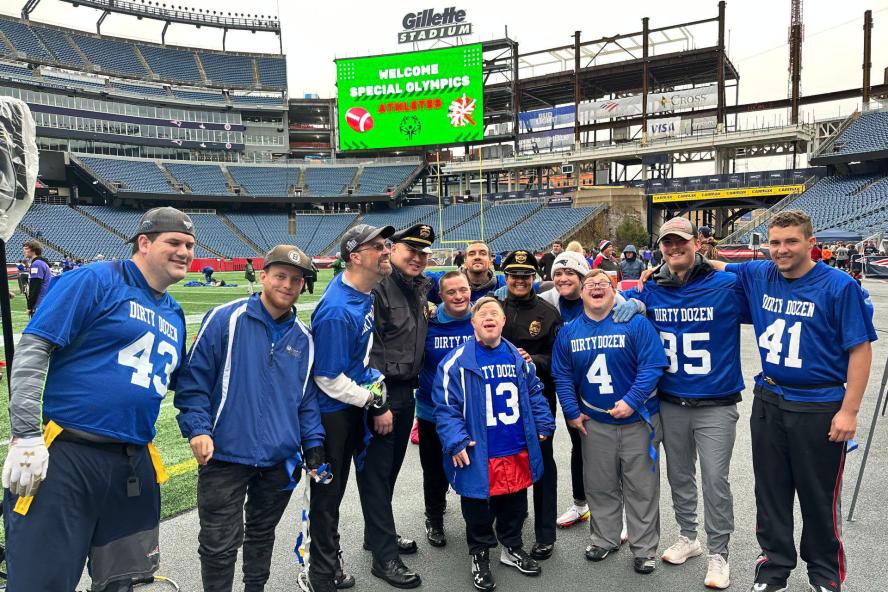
x,y
804,328
118,344
699,325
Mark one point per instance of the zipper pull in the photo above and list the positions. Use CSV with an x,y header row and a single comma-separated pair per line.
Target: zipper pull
x,y
271,355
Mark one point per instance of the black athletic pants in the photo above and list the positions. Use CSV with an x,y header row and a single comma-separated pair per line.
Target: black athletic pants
x,y
226,523
578,486
792,455
545,493
343,439
505,513
434,481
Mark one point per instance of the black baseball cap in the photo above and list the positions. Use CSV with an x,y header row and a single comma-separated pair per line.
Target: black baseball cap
x,y
360,234
165,219
418,237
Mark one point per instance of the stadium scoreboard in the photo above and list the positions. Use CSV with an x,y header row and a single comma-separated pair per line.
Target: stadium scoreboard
x,y
421,98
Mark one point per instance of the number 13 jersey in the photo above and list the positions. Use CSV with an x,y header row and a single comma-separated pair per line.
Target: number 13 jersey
x,y
118,345
804,328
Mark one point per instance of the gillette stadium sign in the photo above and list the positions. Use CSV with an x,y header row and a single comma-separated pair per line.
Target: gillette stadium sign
x,y
428,25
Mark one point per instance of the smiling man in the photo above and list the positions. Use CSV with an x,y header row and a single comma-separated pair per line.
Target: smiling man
x,y
806,404
101,352
478,269
249,409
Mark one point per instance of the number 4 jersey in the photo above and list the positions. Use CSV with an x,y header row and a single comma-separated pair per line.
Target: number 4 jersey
x,y
118,344
805,328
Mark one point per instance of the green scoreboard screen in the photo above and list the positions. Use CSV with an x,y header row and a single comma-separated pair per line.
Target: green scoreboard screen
x,y
421,98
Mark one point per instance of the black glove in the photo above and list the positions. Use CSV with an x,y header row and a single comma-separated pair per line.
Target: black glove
x,y
313,457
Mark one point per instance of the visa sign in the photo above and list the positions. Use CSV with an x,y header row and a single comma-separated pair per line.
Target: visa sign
x,y
669,126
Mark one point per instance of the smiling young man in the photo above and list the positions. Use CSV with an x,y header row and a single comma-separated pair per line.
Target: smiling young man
x,y
805,407
478,269
450,327
491,418
249,410
606,374
101,352
697,313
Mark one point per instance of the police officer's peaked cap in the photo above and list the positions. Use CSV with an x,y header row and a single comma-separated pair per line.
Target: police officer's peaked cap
x,y
419,237
521,262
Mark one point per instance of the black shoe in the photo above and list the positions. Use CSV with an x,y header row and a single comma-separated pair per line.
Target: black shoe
x,y
396,573
519,559
322,584
341,579
481,576
406,546
596,553
541,551
761,587
644,565
435,534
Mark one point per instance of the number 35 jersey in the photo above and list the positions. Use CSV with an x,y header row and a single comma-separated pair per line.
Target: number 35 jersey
x,y
699,325
804,328
118,345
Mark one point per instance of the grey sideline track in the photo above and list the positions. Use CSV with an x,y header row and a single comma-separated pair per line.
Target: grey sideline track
x,y
447,569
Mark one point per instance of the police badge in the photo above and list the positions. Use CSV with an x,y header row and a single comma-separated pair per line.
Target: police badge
x,y
535,328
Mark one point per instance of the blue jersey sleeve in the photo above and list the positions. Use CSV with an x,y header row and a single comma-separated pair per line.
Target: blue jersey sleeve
x,y
197,377
435,276
853,317
651,362
334,340
70,306
562,376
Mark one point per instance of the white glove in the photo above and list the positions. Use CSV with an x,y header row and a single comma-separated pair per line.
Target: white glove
x,y
26,465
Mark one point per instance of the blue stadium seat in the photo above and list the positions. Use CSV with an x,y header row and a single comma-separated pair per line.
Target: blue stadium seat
x,y
75,233
375,180
57,42
265,181
23,39
142,90
203,179
135,175
110,55
172,64
313,231
272,72
868,133
405,217
226,69
15,71
195,96
255,100
544,226
14,250
213,232
328,181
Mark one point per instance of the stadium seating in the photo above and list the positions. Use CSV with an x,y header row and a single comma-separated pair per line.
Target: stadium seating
x,y
14,251
869,133
213,232
266,181
225,69
375,180
272,72
138,89
24,40
75,233
172,64
256,100
313,232
195,96
453,216
325,229
144,176
110,55
544,226
328,181
57,80
402,218
15,70
497,219
57,42
203,179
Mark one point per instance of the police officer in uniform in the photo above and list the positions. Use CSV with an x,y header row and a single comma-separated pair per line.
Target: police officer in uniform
x,y
531,325
398,346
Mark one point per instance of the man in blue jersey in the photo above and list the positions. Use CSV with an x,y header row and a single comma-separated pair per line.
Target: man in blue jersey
x,y
806,404
491,417
450,327
101,351
478,268
606,374
342,325
697,313
248,407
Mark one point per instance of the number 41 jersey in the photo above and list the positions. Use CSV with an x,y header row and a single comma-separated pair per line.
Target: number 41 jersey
x,y
804,328
118,344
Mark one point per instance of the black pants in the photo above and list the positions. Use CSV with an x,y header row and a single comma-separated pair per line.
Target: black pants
x,y
505,513
344,433
791,455
434,481
545,492
578,486
226,523
385,455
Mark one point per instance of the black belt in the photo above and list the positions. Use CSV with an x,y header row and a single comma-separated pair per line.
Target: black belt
x,y
812,386
133,484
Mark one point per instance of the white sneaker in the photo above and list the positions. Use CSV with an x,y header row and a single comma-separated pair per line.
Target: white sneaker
x,y
718,574
683,549
573,515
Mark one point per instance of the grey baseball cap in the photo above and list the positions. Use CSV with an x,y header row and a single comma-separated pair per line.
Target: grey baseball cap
x,y
165,219
360,234
288,255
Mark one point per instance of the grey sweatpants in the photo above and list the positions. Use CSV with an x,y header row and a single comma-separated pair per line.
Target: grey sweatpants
x,y
707,432
617,472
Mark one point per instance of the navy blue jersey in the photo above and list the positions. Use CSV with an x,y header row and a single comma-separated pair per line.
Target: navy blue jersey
x,y
118,344
342,327
435,276
440,340
569,309
597,363
804,328
505,430
699,325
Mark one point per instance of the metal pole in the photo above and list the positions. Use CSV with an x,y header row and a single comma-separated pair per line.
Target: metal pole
x,y
867,53
6,314
720,74
576,89
645,75
869,441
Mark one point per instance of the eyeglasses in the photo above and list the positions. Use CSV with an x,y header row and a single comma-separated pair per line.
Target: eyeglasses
x,y
376,247
600,285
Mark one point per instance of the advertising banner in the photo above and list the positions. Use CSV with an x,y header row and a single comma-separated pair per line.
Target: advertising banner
x,y
694,98
421,98
727,193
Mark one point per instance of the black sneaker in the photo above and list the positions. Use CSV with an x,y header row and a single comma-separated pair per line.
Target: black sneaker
x,y
596,553
761,587
519,559
644,565
481,576
435,534
341,578
540,551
